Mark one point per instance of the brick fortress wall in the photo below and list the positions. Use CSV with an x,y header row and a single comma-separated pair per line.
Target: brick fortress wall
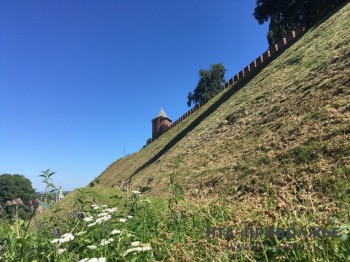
x,y
258,62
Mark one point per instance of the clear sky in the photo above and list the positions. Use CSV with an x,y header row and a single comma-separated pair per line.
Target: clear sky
x,y
80,80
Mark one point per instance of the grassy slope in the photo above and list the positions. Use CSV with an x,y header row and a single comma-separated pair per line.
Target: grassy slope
x,y
286,131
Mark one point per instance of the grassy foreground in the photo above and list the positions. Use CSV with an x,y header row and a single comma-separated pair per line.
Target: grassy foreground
x,y
138,228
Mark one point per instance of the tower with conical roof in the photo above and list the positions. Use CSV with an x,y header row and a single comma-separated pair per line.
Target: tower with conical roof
x,y
59,195
160,124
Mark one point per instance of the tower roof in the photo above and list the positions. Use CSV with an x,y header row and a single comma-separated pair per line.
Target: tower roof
x,y
162,113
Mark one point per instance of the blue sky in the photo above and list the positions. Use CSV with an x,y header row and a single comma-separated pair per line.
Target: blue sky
x,y
82,79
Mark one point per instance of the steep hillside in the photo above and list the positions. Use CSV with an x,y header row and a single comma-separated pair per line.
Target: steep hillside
x,y
272,151
286,130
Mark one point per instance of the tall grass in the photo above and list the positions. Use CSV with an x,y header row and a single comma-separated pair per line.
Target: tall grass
x,y
180,228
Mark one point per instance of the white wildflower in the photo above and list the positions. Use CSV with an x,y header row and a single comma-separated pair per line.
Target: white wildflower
x,y
55,240
80,233
131,250
135,243
92,247
123,220
103,219
136,192
146,248
92,224
94,259
111,210
64,238
88,219
94,206
115,231
103,206
61,250
130,216
67,237
103,214
106,242
143,248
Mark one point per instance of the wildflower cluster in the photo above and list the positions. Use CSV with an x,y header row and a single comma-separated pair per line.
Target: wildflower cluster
x,y
105,242
105,215
94,206
101,259
92,243
115,231
100,220
137,246
80,233
96,233
64,238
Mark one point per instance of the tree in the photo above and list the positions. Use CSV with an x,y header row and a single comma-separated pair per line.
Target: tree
x,y
210,83
15,186
285,15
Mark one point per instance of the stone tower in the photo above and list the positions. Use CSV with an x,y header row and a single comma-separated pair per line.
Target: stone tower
x,y
160,124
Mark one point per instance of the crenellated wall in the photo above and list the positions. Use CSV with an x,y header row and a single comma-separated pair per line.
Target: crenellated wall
x,y
258,62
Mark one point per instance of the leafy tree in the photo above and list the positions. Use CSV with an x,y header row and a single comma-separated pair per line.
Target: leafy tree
x,y
16,193
285,15
210,83
14,186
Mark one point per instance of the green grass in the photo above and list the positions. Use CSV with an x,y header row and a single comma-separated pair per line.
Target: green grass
x,y
175,229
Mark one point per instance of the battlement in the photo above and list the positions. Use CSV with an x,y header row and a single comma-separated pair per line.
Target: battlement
x,y
162,124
